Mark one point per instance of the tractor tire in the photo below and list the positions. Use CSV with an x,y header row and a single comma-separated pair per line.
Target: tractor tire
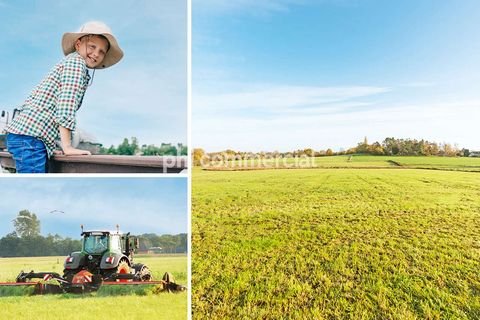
x,y
123,268
68,274
142,272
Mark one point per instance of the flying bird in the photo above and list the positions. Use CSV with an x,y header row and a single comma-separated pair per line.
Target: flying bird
x,y
55,211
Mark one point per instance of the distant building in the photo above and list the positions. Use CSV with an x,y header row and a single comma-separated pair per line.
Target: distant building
x,y
474,154
155,250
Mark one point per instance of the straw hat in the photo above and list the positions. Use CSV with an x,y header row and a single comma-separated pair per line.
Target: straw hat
x,y
113,55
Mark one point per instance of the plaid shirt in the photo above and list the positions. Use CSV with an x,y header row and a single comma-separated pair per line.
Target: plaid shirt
x,y
54,102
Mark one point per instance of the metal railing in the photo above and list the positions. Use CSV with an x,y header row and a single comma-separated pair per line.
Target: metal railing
x,y
108,164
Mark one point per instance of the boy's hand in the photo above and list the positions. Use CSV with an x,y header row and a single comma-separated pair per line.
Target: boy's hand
x,y
71,151
66,139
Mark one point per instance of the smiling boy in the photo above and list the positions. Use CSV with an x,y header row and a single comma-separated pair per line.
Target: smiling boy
x,y
49,113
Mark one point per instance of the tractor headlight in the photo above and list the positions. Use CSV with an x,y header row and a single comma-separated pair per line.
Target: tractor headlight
x,y
69,260
110,260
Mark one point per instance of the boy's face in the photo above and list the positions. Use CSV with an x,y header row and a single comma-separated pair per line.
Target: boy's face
x,y
93,49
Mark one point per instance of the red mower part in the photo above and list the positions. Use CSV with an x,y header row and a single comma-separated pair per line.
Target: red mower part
x,y
82,277
123,268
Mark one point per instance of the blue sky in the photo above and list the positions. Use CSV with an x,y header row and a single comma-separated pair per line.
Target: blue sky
x,y
143,96
284,74
138,205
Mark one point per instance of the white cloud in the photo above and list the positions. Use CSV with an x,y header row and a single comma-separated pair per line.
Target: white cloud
x,y
285,118
279,99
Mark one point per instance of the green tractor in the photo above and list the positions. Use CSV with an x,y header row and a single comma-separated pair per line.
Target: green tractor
x,y
107,255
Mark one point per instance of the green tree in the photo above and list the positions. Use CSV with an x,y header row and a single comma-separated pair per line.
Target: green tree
x,y
27,224
150,150
182,150
198,155
126,148
166,149
9,245
112,150
376,149
362,147
390,145
309,152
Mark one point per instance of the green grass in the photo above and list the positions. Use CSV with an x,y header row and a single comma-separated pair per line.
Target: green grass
x,y
129,302
336,244
357,161
441,163
7,291
166,306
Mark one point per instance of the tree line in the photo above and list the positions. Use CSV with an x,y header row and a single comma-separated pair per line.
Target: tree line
x,y
408,147
133,148
26,240
165,243
389,146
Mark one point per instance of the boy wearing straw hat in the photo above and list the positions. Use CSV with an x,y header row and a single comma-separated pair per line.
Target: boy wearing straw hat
x,y
49,112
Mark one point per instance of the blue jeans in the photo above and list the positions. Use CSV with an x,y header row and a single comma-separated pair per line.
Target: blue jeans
x,y
29,153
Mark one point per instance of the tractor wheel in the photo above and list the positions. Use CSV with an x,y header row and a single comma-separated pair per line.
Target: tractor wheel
x,y
123,268
142,272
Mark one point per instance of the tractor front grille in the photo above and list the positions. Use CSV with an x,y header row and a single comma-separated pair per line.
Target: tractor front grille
x,y
93,263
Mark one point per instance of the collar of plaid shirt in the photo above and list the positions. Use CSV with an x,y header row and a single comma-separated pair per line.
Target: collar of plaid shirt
x,y
54,102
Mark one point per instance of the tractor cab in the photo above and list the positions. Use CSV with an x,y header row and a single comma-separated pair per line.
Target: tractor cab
x,y
97,242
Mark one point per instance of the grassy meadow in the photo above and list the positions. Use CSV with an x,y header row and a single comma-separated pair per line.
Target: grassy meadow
x,y
338,243
132,304
355,161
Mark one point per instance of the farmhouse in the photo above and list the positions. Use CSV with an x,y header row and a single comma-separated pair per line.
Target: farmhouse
x,y
150,250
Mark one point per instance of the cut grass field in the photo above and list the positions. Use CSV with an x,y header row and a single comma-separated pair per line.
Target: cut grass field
x,y
336,244
129,304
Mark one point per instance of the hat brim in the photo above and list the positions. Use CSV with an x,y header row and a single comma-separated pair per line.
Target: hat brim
x,y
113,55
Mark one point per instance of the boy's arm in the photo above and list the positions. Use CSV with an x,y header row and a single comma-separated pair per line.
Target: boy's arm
x,y
70,83
72,80
66,139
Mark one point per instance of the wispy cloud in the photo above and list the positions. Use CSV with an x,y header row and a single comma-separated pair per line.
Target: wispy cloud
x,y
280,99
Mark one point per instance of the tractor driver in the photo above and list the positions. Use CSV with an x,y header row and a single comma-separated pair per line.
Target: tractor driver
x,y
101,243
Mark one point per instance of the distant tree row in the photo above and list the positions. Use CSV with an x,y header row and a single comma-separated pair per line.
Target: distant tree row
x,y
133,148
165,243
408,147
389,146
26,240
34,246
